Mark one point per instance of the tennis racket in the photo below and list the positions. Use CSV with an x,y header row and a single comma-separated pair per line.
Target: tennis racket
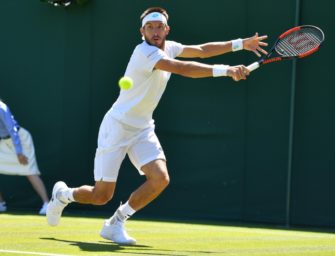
x,y
298,42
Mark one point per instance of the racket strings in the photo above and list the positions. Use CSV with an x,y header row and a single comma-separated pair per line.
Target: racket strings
x,y
299,42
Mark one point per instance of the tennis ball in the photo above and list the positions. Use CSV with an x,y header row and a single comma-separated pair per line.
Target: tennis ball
x,y
126,83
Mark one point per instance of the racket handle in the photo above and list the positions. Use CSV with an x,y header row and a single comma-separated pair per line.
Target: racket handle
x,y
253,66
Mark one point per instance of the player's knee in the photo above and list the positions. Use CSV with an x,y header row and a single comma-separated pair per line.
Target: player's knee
x,y
157,174
163,180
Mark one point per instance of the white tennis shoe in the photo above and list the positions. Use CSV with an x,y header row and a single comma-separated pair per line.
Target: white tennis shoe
x,y
55,206
114,230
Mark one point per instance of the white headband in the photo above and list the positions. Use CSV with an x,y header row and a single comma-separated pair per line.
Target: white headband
x,y
154,16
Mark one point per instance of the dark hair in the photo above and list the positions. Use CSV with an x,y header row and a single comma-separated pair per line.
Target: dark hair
x,y
154,9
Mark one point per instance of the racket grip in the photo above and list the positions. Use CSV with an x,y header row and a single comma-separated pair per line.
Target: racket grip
x,y
253,66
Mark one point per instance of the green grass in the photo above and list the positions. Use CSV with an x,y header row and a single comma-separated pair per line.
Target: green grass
x,y
22,234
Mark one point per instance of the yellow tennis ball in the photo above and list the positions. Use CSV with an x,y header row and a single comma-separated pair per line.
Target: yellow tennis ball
x,y
126,83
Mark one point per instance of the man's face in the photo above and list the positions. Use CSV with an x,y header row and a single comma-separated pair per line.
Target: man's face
x,y
155,33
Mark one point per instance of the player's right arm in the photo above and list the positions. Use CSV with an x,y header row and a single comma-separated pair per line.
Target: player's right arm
x,y
194,69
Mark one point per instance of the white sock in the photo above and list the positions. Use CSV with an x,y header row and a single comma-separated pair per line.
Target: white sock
x,y
66,195
124,212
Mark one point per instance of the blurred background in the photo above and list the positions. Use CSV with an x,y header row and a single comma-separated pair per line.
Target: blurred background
x,y
260,150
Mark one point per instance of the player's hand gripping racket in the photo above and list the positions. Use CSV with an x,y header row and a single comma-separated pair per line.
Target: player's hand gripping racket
x,y
297,42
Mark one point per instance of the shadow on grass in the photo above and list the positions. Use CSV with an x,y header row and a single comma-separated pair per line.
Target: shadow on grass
x,y
103,246
98,247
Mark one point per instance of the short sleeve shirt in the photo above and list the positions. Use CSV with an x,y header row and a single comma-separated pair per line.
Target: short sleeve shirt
x,y
135,106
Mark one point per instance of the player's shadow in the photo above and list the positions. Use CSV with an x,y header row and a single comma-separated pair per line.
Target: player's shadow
x,y
110,247
93,247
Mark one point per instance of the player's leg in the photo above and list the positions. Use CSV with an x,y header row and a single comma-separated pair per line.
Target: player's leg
x,y
100,194
108,158
157,180
106,168
148,157
62,195
39,187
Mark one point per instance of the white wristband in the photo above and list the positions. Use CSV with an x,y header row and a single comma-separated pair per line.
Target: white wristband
x,y
220,70
237,45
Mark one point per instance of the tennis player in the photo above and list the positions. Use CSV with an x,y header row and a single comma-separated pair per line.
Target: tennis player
x,y
128,127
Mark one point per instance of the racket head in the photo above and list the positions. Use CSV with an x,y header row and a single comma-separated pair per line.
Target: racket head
x,y
299,42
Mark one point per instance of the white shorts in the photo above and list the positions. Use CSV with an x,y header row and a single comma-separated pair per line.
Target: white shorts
x,y
117,139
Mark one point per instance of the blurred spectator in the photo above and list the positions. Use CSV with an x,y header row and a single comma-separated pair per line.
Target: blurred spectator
x,y
17,155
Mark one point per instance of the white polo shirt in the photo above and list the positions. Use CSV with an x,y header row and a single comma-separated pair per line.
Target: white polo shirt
x,y
135,106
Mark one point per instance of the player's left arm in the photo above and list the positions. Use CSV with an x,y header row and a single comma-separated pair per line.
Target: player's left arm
x,y
254,44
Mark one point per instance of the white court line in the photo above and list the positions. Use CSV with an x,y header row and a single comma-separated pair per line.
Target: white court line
x,y
34,253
